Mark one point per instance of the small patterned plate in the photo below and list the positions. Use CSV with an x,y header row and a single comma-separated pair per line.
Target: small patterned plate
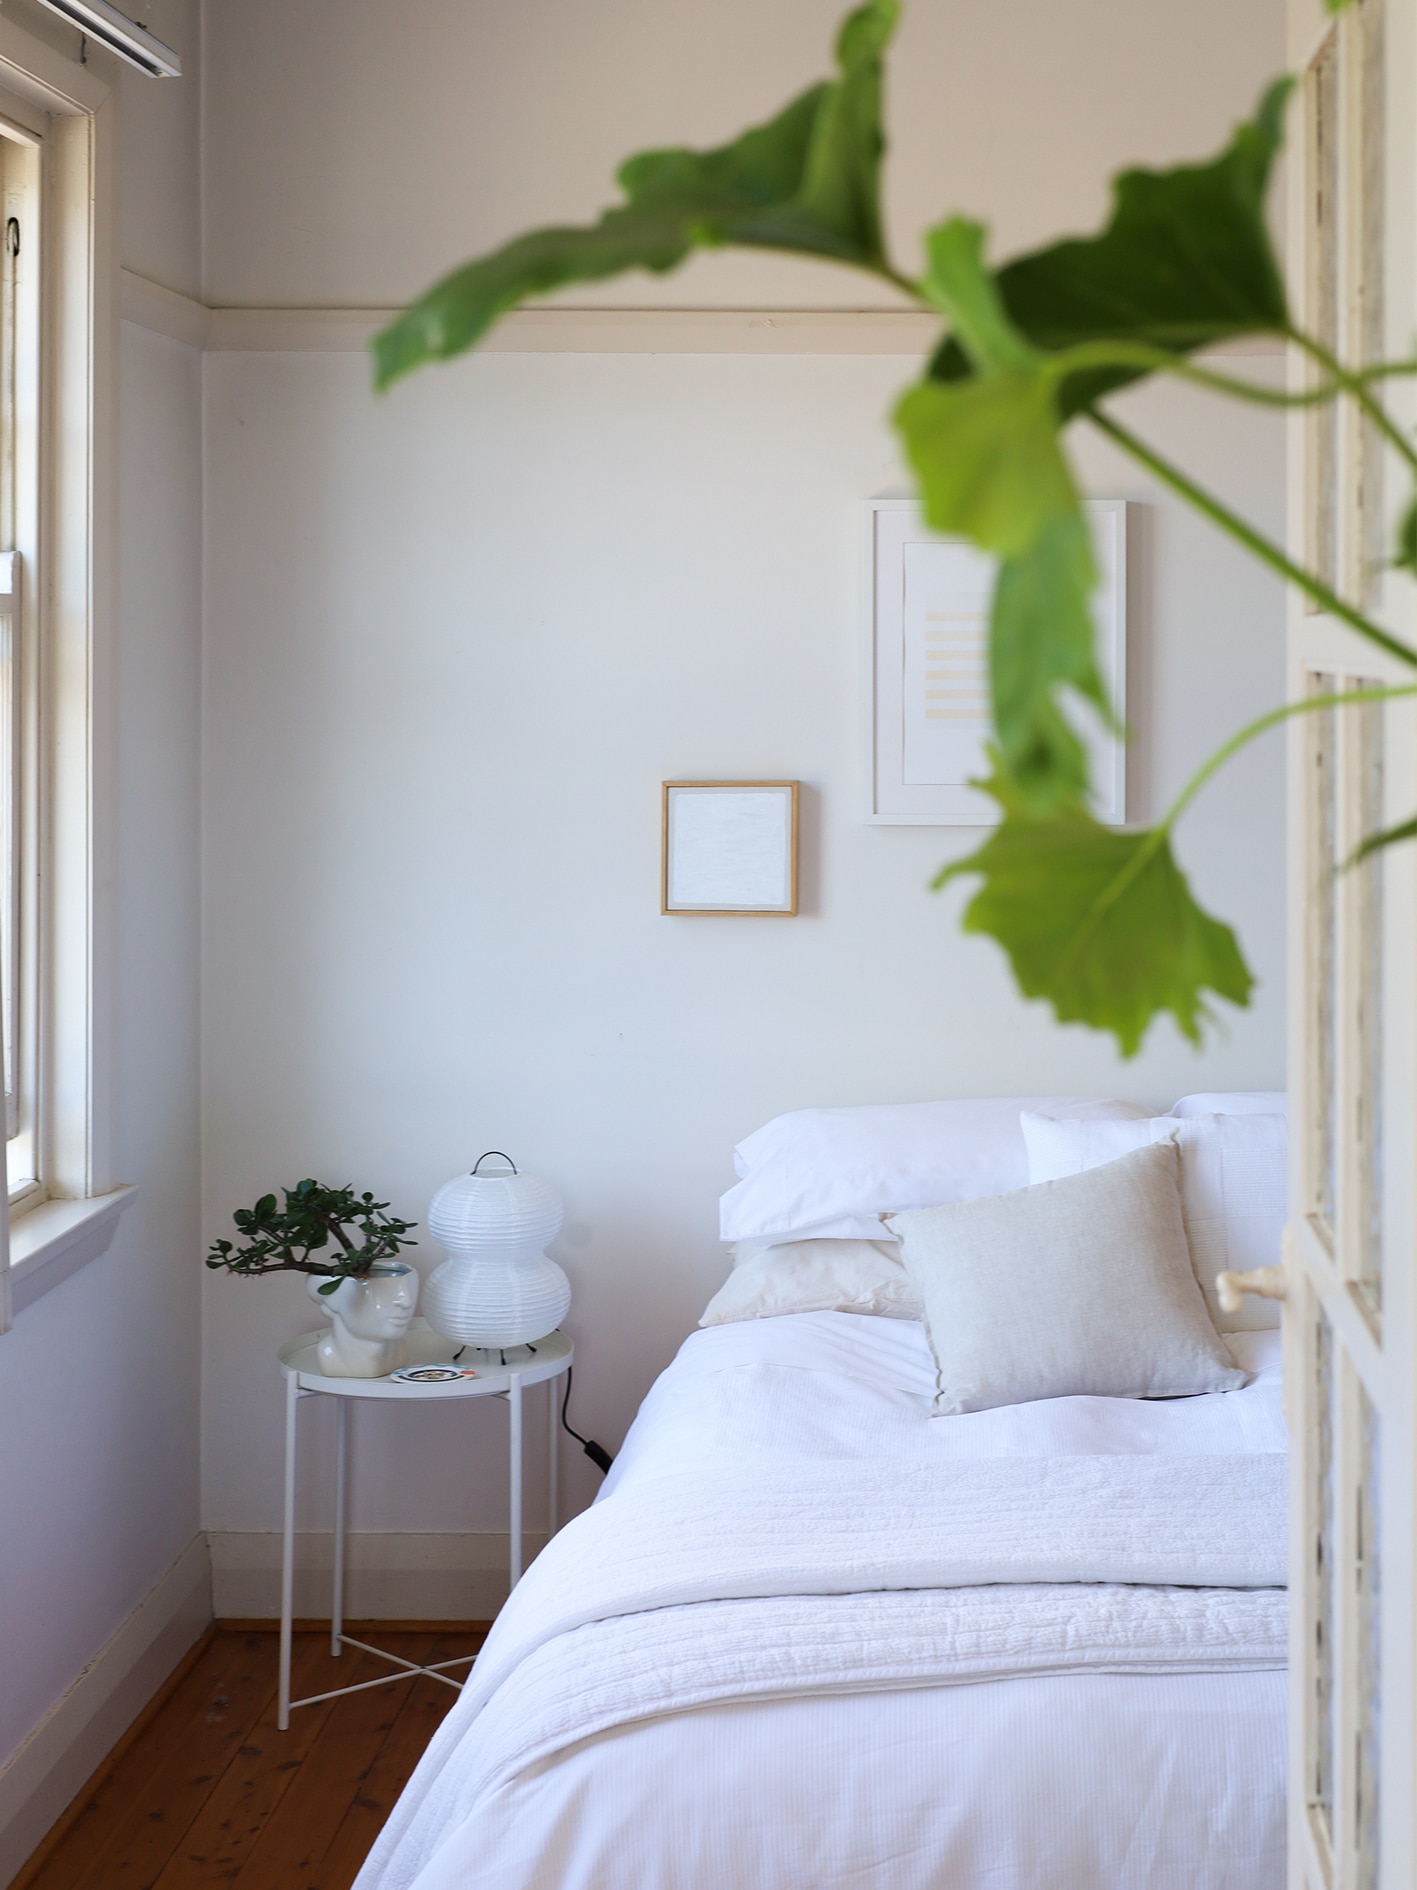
x,y
431,1374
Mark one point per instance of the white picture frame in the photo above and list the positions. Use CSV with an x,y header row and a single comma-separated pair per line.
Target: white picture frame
x,y
927,618
729,849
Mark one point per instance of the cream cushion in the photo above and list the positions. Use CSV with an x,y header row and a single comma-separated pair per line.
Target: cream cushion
x,y
1233,1187
1079,1287
854,1276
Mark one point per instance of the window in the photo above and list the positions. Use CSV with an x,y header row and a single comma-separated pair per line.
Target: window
x,y
21,259
58,340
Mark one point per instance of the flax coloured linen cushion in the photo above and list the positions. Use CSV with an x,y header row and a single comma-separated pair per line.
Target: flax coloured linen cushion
x,y
1078,1287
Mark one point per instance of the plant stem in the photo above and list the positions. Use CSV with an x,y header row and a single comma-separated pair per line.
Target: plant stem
x,y
1090,355
1158,834
1254,541
338,1231
913,289
289,1266
1339,699
1355,384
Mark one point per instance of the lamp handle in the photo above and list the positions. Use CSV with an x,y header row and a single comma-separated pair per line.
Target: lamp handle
x,y
493,1151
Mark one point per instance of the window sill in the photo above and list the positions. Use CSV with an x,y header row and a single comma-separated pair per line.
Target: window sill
x,y
55,1239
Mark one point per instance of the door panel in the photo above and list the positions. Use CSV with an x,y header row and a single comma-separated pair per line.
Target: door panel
x,y
1349,1323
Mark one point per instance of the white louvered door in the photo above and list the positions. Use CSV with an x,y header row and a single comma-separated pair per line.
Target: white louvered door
x,y
1351,1315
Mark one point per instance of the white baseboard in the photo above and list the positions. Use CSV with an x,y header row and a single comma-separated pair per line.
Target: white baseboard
x,y
49,1768
442,1577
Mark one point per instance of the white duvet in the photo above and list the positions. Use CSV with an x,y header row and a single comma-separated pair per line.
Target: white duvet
x,y
811,1637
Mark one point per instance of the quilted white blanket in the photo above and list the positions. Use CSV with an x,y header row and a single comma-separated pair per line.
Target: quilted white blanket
x,y
785,1581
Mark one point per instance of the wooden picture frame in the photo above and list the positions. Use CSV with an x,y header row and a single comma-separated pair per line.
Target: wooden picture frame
x,y
728,849
926,606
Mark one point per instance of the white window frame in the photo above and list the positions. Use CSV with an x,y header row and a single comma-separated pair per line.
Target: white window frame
x,y
21,601
69,1216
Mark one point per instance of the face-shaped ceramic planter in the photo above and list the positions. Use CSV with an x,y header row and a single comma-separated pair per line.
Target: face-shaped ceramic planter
x,y
371,1314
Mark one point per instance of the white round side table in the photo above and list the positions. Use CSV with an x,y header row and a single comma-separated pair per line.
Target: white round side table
x,y
500,1373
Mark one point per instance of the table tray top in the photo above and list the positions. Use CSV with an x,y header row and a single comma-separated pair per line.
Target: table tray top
x,y
495,1367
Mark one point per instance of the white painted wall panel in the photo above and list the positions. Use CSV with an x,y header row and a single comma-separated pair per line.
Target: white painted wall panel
x,y
99,1379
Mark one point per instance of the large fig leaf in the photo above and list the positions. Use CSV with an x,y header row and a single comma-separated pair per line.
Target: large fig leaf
x,y
1041,637
959,284
985,450
807,181
990,464
1185,261
1099,922
988,459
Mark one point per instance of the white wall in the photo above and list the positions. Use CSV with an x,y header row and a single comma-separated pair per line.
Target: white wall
x,y
99,1380
458,636
355,152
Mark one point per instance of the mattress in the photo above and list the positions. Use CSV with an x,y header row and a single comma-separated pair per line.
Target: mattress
x,y
1045,1779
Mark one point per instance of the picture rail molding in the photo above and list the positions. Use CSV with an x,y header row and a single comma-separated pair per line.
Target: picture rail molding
x,y
233,330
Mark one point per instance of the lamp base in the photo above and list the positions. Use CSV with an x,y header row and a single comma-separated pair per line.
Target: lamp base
x,y
492,1302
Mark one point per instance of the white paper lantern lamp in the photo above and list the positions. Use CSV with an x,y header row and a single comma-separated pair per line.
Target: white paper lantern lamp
x,y
497,1288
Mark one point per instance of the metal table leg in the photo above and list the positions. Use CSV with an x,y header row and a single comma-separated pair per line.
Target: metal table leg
x,y
514,1401
553,1461
341,1487
287,1561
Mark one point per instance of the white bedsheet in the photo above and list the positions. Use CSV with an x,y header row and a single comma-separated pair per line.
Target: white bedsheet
x,y
603,1740
842,1385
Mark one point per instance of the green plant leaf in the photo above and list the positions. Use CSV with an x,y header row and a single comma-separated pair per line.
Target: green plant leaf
x,y
985,450
285,1240
959,284
991,466
330,1286
987,456
1041,636
1184,261
1100,922
807,182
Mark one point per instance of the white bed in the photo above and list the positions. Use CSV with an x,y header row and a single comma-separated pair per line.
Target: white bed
x,y
679,1698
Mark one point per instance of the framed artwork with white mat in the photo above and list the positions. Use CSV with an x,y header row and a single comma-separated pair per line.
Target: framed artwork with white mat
x,y
927,616
729,849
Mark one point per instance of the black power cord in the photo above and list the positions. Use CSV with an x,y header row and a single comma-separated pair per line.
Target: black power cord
x,y
597,1453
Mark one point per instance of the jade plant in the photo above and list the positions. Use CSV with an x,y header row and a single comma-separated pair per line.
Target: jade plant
x,y
288,1239
1099,921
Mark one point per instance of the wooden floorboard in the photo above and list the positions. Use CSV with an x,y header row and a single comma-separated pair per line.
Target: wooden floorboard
x,y
424,1704
102,1789
298,1833
242,1801
205,1791
147,1801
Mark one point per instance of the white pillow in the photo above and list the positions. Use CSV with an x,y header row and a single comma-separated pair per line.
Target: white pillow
x,y
831,1173
1233,1102
1233,1187
1074,1288
855,1276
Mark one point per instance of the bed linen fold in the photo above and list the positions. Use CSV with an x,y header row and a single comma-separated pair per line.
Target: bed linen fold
x,y
613,1673
773,1581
